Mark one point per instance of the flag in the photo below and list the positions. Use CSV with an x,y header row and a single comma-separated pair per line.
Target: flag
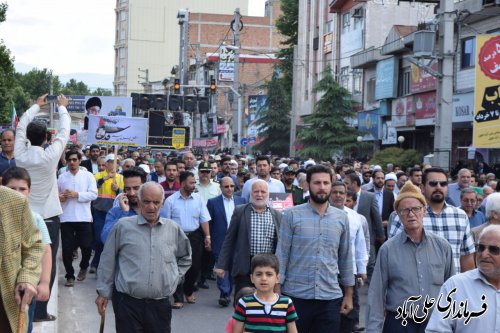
x,y
14,119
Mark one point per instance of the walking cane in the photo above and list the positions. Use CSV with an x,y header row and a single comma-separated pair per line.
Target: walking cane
x,y
103,319
21,319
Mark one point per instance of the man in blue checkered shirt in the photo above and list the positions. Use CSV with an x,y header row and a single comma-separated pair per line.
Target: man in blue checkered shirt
x,y
444,220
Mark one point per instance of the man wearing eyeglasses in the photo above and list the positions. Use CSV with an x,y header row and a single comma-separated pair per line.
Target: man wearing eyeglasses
x,y
221,210
414,263
468,200
77,188
206,188
477,288
444,220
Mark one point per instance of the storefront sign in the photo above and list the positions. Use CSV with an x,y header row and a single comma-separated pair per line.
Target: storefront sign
x,y
425,108
486,124
389,133
206,143
368,123
463,107
403,114
421,80
386,79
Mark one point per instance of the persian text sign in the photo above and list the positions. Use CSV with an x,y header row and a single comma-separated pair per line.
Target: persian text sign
x,y
421,80
425,108
486,125
402,112
226,64
124,131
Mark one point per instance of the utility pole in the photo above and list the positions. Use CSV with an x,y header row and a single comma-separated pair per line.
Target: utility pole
x,y
443,128
183,16
236,27
147,86
294,111
197,116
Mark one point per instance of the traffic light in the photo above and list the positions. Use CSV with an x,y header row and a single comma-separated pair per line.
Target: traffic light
x,y
175,102
189,103
213,87
203,104
177,86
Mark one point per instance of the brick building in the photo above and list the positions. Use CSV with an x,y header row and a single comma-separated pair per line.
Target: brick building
x,y
208,38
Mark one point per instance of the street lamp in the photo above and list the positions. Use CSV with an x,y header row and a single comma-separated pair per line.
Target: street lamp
x,y
359,138
401,139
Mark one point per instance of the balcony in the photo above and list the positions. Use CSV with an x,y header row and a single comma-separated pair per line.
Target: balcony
x,y
366,58
398,39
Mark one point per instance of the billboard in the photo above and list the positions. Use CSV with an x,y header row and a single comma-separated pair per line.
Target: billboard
x,y
125,131
486,124
112,106
256,106
226,64
402,112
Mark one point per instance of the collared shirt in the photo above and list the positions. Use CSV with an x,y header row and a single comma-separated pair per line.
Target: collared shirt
x,y
405,269
358,243
228,208
452,224
263,232
5,163
476,219
143,261
42,163
379,195
314,253
209,191
454,191
275,186
470,287
190,213
170,190
77,209
112,218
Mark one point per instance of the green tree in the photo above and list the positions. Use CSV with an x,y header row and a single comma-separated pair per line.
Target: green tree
x,y
274,124
327,132
37,82
405,158
288,26
73,87
7,75
102,92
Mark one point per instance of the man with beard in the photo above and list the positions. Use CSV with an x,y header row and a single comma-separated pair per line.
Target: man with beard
x,y
288,180
253,229
444,220
225,165
171,184
190,163
315,253
385,198
263,172
91,164
187,209
128,205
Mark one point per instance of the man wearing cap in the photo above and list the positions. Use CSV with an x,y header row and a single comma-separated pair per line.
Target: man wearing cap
x,y
410,269
288,180
390,183
109,184
207,189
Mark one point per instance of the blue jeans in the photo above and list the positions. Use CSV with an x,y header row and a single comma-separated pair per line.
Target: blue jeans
x,y
31,314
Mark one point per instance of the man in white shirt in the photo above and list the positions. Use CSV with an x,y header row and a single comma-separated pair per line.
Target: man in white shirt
x,y
77,189
263,164
31,138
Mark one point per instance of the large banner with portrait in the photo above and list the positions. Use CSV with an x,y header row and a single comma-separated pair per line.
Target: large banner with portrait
x,y
486,124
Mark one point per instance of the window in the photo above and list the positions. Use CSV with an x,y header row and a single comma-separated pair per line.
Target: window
x,y
370,90
346,21
123,15
123,53
404,82
468,55
357,81
329,26
344,77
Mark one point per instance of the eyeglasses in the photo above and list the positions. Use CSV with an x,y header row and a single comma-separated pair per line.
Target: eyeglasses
x,y
72,160
228,186
493,249
406,211
434,183
205,171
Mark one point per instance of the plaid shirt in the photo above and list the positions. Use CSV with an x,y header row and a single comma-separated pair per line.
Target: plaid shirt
x,y
263,232
452,224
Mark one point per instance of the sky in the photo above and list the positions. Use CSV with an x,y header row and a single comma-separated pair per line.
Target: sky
x,y
67,36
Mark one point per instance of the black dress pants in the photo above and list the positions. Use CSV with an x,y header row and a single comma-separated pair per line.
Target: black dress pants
x,y
186,287
74,235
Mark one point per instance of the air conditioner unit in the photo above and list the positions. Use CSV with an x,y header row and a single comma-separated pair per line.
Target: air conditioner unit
x,y
357,13
423,43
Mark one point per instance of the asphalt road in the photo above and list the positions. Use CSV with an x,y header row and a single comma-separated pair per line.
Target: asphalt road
x,y
78,313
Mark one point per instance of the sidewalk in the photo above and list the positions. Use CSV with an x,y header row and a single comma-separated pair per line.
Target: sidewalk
x,y
51,326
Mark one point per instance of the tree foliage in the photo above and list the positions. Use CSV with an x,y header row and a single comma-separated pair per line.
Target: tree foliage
x,y
326,132
405,158
288,26
102,92
37,82
274,124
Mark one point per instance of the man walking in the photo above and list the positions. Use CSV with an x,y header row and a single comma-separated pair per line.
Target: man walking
x,y
263,164
7,159
314,245
187,209
143,260
455,189
385,198
91,164
288,180
171,183
42,165
221,210
77,189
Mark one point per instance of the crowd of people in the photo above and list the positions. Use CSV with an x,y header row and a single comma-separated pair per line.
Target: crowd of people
x,y
155,226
